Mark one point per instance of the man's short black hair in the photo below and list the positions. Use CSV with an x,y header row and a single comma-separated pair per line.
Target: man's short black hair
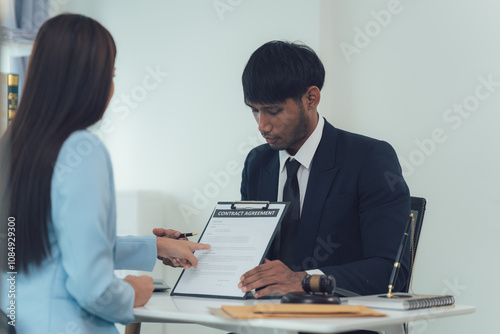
x,y
280,70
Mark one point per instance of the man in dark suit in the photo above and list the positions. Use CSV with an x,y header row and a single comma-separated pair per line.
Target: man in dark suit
x,y
352,202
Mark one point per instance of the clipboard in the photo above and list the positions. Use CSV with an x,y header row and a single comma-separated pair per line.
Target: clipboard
x,y
240,234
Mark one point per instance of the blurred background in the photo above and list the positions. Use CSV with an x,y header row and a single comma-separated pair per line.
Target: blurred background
x,y
423,75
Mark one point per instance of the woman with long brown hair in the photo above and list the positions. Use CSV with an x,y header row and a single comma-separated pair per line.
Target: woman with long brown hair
x,y
57,193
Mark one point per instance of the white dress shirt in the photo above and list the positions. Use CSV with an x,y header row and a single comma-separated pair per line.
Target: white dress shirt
x,y
305,157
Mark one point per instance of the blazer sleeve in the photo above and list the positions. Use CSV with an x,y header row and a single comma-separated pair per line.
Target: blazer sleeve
x,y
85,229
383,211
135,253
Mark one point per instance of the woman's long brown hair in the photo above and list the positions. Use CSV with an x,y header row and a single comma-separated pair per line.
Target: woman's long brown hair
x,y
67,88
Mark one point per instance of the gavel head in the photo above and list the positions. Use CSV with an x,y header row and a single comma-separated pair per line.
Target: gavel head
x,y
318,284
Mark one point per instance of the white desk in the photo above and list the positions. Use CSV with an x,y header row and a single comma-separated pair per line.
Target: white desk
x,y
190,310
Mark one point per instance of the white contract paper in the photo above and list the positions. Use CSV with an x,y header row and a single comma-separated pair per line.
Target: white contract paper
x,y
240,238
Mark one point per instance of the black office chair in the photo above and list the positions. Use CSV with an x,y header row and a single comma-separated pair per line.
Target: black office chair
x,y
418,209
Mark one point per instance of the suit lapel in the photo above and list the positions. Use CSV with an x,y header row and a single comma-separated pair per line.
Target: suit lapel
x,y
323,172
268,180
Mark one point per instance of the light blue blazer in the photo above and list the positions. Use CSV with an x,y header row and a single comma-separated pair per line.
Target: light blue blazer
x,y
76,290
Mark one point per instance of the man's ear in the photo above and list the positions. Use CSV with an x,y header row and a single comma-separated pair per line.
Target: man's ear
x,y
313,96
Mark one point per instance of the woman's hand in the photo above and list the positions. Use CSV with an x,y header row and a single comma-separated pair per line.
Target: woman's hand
x,y
172,234
179,252
143,288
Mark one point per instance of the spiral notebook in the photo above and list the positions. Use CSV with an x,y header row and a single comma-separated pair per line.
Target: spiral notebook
x,y
402,301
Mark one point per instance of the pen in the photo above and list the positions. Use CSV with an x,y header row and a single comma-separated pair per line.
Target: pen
x,y
185,235
399,256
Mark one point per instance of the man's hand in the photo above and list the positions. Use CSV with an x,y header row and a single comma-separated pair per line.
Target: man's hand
x,y
172,234
275,276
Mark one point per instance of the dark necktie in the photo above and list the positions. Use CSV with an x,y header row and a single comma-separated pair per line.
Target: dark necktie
x,y
290,223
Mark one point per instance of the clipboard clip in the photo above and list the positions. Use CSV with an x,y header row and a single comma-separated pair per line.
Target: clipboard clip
x,y
234,204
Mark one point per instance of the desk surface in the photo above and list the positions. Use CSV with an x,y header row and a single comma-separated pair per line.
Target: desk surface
x,y
176,309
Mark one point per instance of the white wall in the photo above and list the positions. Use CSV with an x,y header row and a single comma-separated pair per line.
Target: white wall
x,y
10,49
428,57
399,88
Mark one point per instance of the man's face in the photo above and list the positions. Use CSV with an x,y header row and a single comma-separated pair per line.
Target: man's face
x,y
285,126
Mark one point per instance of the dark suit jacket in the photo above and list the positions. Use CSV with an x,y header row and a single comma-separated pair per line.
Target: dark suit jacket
x,y
354,212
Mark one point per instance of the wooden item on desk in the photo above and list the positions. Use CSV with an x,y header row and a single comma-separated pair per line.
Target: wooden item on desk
x,y
260,311
309,298
318,289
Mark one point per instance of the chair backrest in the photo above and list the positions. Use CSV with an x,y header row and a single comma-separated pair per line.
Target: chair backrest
x,y
418,210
